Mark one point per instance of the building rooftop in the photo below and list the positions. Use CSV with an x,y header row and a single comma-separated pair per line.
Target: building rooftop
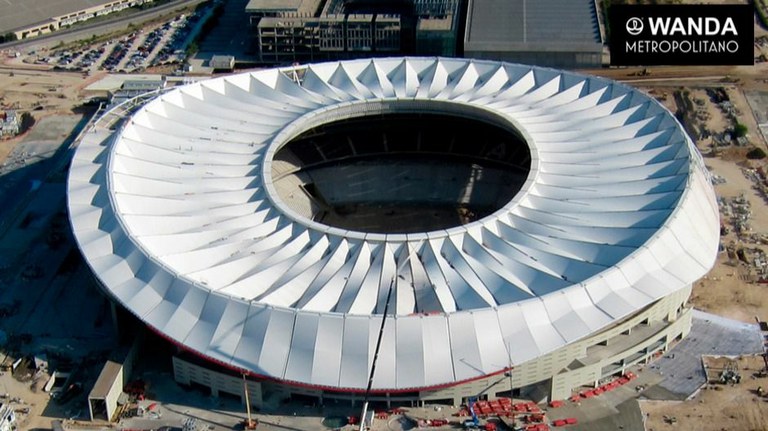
x,y
113,82
106,379
222,62
146,84
436,24
511,25
295,6
21,13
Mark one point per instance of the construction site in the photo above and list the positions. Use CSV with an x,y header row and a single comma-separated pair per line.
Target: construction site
x,y
71,359
53,376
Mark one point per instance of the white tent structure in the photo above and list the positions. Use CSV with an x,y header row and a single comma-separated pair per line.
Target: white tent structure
x,y
177,214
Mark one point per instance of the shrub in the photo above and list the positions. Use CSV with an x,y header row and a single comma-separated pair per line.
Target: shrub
x,y
756,153
740,130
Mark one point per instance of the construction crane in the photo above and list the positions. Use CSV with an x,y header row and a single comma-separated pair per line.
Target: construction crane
x,y
378,340
475,420
375,356
508,373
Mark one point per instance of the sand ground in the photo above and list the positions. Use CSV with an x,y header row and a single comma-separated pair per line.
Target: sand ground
x,y
717,406
41,93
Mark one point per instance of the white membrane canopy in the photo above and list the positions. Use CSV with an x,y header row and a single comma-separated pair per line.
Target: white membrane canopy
x,y
176,213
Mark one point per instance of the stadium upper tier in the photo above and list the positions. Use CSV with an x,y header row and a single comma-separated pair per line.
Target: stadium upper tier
x,y
185,216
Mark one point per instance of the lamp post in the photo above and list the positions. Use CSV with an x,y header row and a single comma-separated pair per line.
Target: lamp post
x,y
509,373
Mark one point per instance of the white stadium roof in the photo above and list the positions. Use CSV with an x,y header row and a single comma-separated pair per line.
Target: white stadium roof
x,y
177,216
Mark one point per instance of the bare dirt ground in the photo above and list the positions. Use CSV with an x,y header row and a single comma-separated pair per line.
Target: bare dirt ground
x,y
717,406
726,290
21,397
729,288
42,93
46,95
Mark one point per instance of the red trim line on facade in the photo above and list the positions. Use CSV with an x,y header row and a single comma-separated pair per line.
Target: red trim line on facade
x,y
318,387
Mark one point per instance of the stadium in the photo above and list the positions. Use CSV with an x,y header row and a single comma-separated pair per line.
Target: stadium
x,y
485,227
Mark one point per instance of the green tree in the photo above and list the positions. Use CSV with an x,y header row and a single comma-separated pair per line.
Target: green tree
x,y
740,130
192,49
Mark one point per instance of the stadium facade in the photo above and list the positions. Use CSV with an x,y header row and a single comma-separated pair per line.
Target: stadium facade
x,y
519,227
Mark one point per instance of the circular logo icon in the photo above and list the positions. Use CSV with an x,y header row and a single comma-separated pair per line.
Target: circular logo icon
x,y
634,26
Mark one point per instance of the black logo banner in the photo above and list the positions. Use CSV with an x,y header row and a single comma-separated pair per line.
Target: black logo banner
x,y
647,35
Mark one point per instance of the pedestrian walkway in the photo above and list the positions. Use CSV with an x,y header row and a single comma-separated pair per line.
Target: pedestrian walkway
x,y
674,376
710,334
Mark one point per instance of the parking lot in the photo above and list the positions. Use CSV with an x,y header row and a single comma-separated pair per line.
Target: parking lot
x,y
158,45
164,44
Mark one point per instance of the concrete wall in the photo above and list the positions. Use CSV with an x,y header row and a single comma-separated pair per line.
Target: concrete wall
x,y
108,388
666,319
292,38
633,340
563,383
186,373
58,22
564,60
114,393
415,183
114,377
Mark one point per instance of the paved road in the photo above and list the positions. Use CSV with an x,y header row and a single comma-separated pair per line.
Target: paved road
x,y
86,30
651,81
